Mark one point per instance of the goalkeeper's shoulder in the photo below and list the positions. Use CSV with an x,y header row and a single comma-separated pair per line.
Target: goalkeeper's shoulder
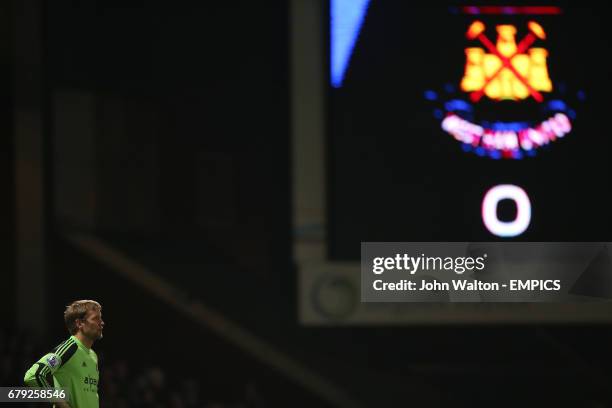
x,y
39,374
60,354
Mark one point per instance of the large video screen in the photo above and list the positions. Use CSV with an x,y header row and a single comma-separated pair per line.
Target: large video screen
x,y
467,124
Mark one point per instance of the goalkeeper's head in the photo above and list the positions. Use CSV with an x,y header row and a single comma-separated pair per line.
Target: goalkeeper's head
x,y
84,317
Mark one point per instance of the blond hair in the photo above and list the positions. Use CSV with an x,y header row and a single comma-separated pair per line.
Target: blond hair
x,y
77,310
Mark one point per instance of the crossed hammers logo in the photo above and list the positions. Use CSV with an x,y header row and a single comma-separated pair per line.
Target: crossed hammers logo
x,y
476,31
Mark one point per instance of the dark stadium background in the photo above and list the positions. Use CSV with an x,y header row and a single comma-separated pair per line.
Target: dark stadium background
x,y
163,130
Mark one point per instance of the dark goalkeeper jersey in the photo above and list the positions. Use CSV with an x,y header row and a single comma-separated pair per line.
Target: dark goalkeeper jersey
x,y
70,366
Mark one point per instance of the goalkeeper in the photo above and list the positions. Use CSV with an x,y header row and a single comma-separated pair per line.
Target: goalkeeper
x,y
73,365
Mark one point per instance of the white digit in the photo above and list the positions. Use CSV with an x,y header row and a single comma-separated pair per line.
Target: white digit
x,y
489,210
